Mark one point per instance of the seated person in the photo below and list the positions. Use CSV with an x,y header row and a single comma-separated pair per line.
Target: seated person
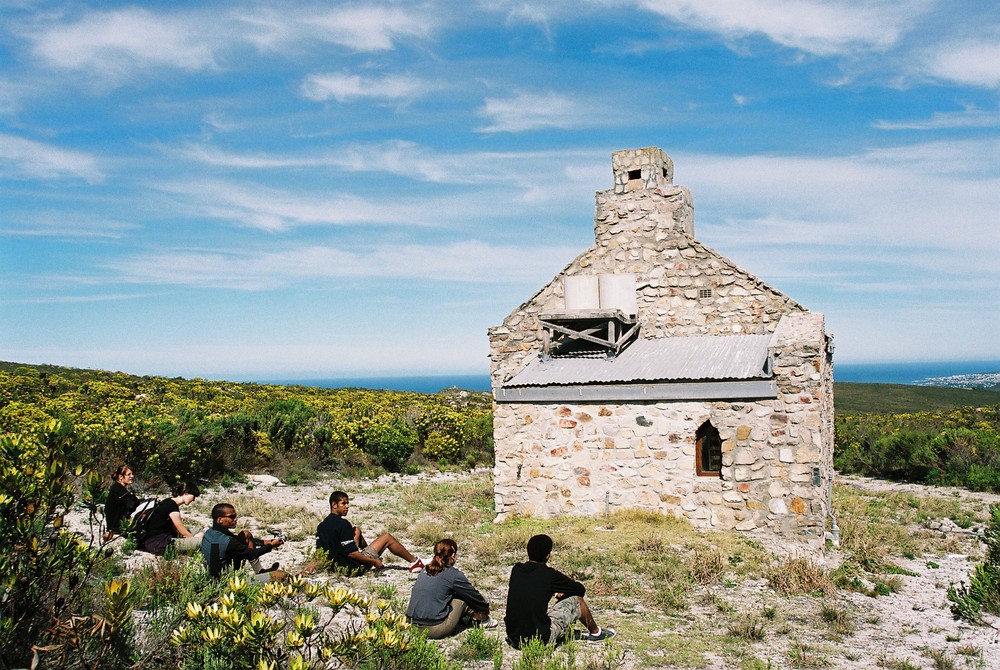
x,y
442,595
121,501
346,546
165,526
222,548
531,586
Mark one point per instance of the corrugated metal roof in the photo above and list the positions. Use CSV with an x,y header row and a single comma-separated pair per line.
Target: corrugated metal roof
x,y
703,357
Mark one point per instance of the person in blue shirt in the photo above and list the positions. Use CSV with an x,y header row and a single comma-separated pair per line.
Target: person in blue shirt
x,y
442,595
222,548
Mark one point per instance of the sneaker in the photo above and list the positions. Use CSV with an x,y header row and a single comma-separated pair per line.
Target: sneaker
x,y
417,567
489,623
600,636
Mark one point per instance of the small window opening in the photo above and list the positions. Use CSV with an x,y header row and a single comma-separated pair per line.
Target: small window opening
x,y
634,174
705,293
708,451
664,173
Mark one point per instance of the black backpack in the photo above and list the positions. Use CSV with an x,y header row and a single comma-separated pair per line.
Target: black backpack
x,y
140,519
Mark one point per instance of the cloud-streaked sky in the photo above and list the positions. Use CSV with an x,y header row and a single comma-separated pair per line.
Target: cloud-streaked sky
x,y
320,189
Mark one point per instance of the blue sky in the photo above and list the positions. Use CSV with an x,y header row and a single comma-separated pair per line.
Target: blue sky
x,y
264,190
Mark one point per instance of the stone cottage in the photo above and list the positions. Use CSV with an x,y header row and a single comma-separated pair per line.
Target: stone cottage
x,y
654,373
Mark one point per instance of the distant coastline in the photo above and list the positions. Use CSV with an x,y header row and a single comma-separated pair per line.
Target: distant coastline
x,y
870,373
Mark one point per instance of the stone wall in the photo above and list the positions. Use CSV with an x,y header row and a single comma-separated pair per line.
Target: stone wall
x,y
569,458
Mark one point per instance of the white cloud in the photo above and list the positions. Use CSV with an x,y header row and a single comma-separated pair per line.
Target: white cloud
x,y
115,43
470,261
367,28
972,63
818,27
534,111
343,87
27,159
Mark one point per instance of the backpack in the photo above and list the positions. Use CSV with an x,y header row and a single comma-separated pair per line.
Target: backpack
x,y
140,519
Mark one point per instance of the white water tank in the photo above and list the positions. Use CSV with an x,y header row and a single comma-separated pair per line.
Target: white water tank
x,y
617,291
581,292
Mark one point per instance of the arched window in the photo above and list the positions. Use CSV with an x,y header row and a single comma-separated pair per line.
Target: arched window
x,y
708,451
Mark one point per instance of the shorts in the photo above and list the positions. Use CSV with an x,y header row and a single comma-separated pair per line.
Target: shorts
x,y
365,567
563,614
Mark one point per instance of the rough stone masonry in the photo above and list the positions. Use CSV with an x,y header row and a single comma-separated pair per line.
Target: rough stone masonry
x,y
585,456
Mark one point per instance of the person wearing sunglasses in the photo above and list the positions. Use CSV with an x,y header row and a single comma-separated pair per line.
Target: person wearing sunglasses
x,y
222,548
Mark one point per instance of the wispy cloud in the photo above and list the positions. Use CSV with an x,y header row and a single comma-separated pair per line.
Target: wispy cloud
x,y
62,224
116,46
817,27
343,87
470,261
27,159
274,209
535,111
968,118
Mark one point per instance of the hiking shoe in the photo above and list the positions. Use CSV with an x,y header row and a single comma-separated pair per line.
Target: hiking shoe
x,y
601,636
417,567
489,623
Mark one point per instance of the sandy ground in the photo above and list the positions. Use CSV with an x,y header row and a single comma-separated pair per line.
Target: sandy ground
x,y
900,626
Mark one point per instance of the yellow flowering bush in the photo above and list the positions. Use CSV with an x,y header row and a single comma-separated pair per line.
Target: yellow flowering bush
x,y
288,626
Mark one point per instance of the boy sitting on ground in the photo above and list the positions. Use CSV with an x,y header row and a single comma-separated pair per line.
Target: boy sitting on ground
x,y
346,546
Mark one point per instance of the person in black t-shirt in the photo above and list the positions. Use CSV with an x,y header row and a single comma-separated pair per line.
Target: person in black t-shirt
x,y
165,526
531,586
347,547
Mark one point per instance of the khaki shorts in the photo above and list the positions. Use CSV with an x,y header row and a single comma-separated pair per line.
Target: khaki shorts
x,y
370,553
563,615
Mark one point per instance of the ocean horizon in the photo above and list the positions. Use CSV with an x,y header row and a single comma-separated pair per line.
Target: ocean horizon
x,y
869,373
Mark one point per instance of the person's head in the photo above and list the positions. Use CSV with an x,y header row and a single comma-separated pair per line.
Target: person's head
x,y
186,490
123,475
224,515
339,503
539,548
445,551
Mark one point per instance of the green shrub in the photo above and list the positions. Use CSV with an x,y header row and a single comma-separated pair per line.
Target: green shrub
x,y
47,601
390,443
982,594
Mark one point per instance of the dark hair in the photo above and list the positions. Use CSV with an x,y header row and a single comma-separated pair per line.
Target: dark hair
x,y
336,497
539,548
444,556
182,488
219,510
120,471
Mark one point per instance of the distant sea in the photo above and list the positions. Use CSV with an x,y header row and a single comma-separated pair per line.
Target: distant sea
x,y
872,373
908,373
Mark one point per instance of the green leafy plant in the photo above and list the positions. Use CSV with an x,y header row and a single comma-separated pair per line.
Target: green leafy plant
x,y
982,593
45,570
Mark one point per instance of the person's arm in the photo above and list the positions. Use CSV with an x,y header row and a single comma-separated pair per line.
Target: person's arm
x,y
464,590
175,517
563,586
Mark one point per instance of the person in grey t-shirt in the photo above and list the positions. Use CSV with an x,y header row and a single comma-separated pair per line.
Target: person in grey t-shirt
x,y
442,594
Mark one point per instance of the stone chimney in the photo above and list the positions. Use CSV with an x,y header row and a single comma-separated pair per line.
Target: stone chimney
x,y
644,203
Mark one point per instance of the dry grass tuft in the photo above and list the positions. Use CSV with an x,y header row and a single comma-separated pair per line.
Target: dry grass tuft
x,y
800,575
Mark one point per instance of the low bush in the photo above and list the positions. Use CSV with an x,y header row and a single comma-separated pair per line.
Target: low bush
x,y
982,593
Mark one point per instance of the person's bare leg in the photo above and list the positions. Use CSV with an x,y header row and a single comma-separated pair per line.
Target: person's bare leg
x,y
586,618
387,541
